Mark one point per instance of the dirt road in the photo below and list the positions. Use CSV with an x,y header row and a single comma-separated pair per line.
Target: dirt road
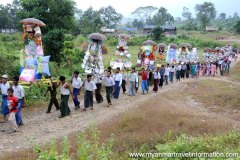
x,y
40,127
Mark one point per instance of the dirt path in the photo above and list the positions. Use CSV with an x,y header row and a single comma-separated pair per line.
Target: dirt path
x,y
40,127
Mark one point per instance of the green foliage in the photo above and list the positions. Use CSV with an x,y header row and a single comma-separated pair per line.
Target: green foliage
x,y
157,33
237,27
205,12
86,149
110,16
90,22
162,17
227,143
53,44
56,14
35,94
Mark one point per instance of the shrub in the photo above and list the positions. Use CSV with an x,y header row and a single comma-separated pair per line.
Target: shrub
x,y
86,149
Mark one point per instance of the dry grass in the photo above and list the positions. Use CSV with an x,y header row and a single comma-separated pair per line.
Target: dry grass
x,y
159,120
235,72
216,93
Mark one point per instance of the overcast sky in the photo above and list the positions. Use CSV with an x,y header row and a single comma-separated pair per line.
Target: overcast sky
x,y
174,7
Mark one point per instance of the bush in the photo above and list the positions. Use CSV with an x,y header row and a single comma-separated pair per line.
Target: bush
x,y
227,143
86,149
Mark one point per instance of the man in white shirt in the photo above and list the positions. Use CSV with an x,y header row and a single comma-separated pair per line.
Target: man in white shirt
x,y
90,86
166,73
118,82
109,83
4,87
77,84
132,82
19,94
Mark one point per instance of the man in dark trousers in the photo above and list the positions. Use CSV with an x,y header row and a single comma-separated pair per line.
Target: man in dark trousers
x,y
53,92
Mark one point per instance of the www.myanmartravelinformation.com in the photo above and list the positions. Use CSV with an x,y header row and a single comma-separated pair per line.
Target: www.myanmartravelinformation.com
x,y
184,155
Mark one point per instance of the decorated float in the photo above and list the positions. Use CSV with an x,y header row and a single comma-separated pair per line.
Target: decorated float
x,y
34,65
146,56
172,52
93,60
122,57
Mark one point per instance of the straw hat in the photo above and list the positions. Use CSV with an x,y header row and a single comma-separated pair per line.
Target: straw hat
x,y
5,76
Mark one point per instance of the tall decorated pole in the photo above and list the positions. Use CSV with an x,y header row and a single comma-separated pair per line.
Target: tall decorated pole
x,y
122,57
32,60
93,60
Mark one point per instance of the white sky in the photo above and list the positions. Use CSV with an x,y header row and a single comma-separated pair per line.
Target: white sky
x,y
174,7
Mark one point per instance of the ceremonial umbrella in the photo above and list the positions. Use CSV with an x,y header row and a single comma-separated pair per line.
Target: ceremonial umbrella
x,y
33,21
125,36
149,42
172,45
162,45
185,45
97,36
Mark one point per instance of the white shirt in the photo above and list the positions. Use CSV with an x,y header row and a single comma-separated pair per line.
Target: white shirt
x,y
65,91
4,88
97,79
77,82
108,81
90,86
167,70
18,91
156,75
179,67
172,69
133,77
118,77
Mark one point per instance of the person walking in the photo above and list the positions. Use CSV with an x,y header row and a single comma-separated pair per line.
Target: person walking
x,y
4,85
144,84
132,82
118,82
65,93
90,86
19,93
76,84
109,83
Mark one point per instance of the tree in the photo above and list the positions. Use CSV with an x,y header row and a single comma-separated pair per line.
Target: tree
x,y
178,19
144,12
205,12
157,33
56,14
162,16
186,14
53,44
137,24
235,15
222,16
109,16
90,22
237,27
3,17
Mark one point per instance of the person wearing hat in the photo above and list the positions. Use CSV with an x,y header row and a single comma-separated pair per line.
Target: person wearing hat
x,y
19,94
4,88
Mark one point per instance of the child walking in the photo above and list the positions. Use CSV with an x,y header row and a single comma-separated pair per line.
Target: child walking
x,y
12,105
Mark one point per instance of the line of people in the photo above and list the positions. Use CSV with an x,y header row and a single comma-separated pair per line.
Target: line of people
x,y
13,95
